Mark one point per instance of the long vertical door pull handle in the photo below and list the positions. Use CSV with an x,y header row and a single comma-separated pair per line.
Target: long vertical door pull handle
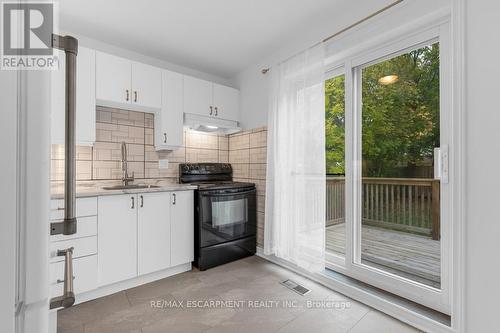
x,y
133,203
135,96
128,95
174,199
216,111
142,201
164,137
211,110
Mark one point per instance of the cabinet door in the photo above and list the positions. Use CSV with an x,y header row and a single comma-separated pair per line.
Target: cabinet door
x,y
226,102
146,85
153,232
182,228
85,98
113,80
117,238
197,96
169,128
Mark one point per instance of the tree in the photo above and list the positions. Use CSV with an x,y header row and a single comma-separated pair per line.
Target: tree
x,y
400,121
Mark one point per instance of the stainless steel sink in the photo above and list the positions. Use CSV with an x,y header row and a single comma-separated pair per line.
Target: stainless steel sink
x,y
129,187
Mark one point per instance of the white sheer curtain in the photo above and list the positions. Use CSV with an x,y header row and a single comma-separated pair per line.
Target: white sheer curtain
x,y
295,187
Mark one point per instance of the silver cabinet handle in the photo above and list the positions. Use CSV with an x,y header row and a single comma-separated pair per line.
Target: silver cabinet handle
x,y
135,96
68,297
128,95
216,111
164,137
211,110
142,201
174,199
133,203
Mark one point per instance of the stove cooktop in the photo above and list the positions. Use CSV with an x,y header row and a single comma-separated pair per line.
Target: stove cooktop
x,y
222,185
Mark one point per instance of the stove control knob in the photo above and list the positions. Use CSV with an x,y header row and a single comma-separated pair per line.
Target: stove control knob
x,y
185,167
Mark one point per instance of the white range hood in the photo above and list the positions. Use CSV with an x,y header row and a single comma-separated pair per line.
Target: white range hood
x,y
210,124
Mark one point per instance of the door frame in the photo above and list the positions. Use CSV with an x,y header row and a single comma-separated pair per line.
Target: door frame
x,y
439,299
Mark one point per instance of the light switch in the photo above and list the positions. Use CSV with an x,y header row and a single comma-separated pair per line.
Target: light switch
x,y
163,164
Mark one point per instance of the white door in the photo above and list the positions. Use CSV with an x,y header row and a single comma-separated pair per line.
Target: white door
x,y
113,80
226,102
146,85
388,219
182,227
153,232
198,96
85,98
117,243
169,128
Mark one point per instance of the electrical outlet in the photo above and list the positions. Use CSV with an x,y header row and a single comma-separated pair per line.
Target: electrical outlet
x,y
163,164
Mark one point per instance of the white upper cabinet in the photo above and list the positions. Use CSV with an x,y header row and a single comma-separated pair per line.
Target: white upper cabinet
x,y
146,85
113,79
226,102
197,96
153,232
85,98
127,84
210,99
169,121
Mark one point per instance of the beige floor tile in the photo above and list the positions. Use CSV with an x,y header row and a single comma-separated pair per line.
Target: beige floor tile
x,y
91,311
375,322
250,280
263,327
167,326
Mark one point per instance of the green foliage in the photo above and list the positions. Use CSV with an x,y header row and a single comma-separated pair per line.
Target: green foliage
x,y
335,125
400,121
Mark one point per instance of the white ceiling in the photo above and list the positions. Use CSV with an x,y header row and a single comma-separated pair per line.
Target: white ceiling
x,y
219,37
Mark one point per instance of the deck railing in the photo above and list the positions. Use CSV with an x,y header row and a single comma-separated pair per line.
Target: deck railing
x,y
405,204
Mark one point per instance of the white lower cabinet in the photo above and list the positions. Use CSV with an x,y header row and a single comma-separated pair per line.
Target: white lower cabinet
x,y
182,227
153,232
84,272
117,234
144,233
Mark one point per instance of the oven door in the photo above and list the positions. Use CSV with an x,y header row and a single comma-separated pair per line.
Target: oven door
x,y
227,215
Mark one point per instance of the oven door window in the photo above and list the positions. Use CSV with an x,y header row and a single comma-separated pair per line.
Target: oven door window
x,y
227,217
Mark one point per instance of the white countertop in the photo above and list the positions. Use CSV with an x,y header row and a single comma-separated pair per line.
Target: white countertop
x,y
92,190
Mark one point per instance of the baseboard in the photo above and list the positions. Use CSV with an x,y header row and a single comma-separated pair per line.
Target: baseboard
x,y
127,284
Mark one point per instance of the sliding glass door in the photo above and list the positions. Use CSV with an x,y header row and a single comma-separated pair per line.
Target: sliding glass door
x,y
387,170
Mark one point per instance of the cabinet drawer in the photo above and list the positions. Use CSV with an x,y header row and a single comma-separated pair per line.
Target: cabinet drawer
x,y
82,247
85,227
84,271
84,207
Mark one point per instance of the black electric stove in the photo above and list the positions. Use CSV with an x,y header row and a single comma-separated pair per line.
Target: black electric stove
x,y
225,214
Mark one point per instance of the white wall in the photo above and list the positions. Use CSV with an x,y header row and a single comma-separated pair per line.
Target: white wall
x,y
253,84
483,165
8,136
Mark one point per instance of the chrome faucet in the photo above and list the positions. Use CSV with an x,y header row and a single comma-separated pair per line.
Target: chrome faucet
x,y
126,179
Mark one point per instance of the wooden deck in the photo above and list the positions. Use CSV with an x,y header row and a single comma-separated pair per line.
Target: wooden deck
x,y
414,257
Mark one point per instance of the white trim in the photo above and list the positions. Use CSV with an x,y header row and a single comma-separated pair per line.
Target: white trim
x,y
458,212
131,283
394,35
379,303
438,299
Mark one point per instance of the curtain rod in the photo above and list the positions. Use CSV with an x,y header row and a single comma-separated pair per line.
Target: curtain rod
x,y
364,19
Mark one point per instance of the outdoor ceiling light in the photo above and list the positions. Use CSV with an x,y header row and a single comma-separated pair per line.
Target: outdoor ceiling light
x,y
389,79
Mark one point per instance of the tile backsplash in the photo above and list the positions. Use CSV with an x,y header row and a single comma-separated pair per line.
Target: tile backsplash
x,y
102,161
246,151
248,156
